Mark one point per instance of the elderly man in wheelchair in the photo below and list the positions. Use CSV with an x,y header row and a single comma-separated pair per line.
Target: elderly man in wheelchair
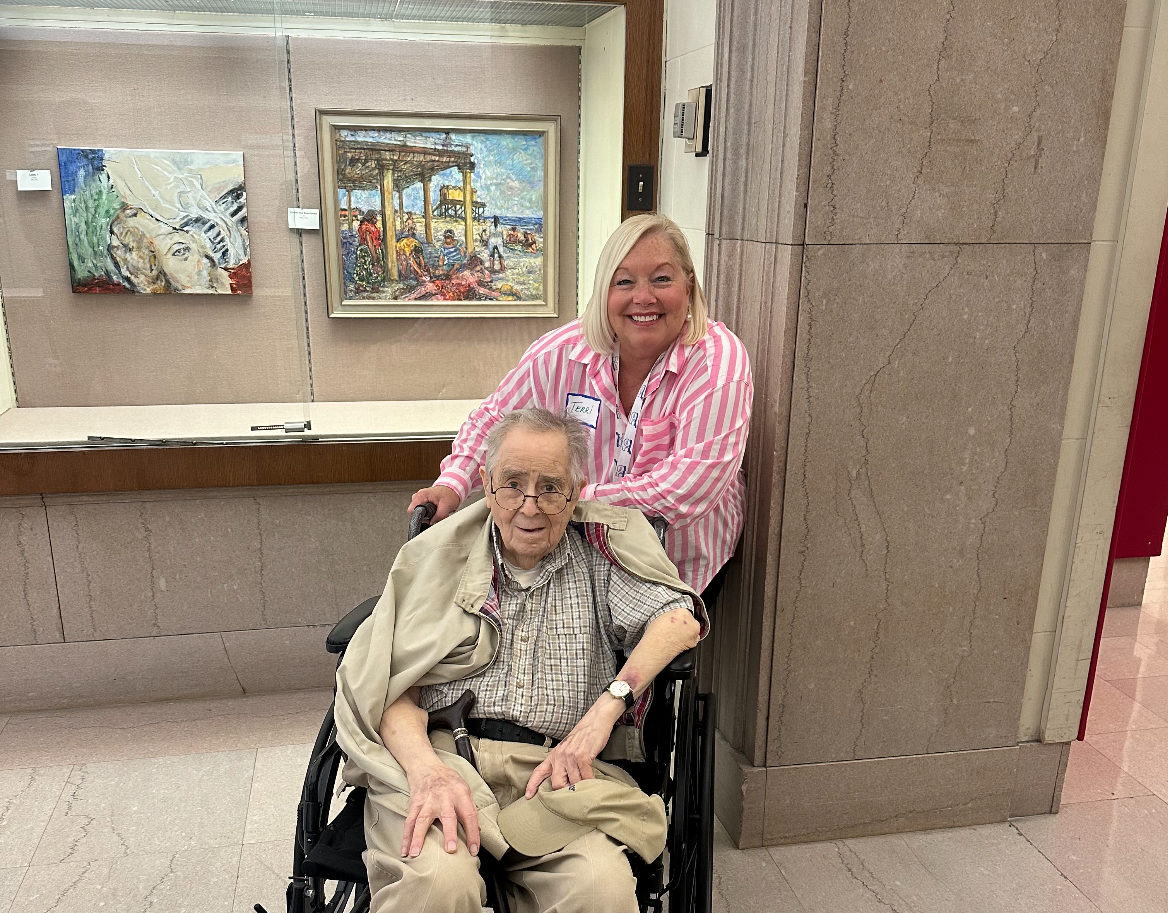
x,y
527,598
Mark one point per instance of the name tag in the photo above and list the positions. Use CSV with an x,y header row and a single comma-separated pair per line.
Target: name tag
x,y
585,409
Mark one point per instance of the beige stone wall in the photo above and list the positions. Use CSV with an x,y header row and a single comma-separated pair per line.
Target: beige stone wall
x,y
908,275
163,595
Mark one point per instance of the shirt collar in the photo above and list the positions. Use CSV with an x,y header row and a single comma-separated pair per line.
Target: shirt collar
x,y
549,564
675,356
674,360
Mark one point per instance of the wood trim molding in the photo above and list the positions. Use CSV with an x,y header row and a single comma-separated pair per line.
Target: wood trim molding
x,y
644,59
158,468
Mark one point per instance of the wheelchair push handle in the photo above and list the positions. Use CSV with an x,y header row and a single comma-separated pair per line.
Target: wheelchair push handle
x,y
420,518
453,717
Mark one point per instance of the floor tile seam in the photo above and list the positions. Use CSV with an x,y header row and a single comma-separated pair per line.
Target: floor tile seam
x,y
11,907
1163,724
113,759
1124,770
1159,646
103,759
1067,878
62,720
261,841
783,875
1145,707
1114,683
247,805
1134,732
1110,677
1148,795
220,699
49,817
121,637
238,873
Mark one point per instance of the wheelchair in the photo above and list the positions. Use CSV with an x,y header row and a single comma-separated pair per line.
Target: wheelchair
x,y
328,874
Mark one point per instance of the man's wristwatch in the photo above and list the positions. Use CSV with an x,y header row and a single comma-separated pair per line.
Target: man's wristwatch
x,y
622,691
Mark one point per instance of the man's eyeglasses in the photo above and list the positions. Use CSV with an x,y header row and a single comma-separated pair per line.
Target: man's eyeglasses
x,y
549,502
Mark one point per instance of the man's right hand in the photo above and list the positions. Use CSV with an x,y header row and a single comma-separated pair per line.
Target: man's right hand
x,y
443,498
439,794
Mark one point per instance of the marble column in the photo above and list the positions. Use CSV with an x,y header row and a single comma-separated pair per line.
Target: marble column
x,y
901,202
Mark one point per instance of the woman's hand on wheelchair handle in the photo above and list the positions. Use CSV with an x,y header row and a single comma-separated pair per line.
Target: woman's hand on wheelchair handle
x,y
571,760
438,794
446,500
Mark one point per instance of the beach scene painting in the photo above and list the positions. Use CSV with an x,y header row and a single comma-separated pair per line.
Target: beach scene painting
x,y
438,216
155,221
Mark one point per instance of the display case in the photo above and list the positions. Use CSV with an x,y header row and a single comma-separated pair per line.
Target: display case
x,y
166,253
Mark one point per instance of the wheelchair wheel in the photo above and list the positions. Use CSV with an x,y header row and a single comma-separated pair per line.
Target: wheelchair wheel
x,y
331,897
690,846
704,806
328,875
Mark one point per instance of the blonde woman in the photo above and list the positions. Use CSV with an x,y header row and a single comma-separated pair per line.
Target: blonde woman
x,y
665,391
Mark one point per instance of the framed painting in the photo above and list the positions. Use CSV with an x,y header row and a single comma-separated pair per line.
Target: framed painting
x,y
439,215
155,221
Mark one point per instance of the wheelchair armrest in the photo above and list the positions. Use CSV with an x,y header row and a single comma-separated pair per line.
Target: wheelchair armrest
x,y
343,631
682,665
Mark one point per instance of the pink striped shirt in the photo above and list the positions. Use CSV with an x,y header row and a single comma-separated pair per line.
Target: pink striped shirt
x,y
687,453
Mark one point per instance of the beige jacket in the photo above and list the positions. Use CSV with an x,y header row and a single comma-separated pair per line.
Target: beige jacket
x,y
426,628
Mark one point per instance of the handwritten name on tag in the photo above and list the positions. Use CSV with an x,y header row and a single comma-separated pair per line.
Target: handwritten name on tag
x,y
585,409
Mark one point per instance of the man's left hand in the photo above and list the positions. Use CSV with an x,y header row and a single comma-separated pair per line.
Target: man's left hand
x,y
571,760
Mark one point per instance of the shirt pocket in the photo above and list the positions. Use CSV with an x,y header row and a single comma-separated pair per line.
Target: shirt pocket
x,y
657,443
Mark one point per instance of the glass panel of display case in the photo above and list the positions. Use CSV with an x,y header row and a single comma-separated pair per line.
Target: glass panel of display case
x,y
174,227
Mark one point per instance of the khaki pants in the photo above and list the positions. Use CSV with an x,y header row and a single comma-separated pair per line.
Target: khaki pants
x,y
589,875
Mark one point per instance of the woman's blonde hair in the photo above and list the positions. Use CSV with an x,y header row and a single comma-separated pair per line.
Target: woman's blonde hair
x,y
597,329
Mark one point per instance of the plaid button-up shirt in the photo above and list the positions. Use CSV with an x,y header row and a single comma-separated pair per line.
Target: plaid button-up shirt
x,y
558,638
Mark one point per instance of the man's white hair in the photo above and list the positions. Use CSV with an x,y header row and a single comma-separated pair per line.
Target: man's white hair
x,y
536,418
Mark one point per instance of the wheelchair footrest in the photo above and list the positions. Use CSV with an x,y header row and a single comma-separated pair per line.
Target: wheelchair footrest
x,y
337,852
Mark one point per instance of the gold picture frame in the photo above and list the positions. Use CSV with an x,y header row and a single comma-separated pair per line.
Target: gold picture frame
x,y
413,172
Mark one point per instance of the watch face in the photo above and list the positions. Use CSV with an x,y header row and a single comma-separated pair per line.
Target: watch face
x,y
620,689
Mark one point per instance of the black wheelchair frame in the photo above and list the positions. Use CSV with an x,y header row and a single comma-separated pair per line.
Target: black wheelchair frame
x,y
328,874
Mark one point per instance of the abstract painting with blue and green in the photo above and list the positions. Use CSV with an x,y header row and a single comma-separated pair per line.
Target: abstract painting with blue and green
x,y
155,221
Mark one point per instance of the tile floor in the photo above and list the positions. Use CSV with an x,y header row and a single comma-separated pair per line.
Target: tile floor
x,y
187,806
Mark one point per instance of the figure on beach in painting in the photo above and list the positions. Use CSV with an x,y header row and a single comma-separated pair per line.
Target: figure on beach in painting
x,y
494,247
470,282
369,236
411,260
451,254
